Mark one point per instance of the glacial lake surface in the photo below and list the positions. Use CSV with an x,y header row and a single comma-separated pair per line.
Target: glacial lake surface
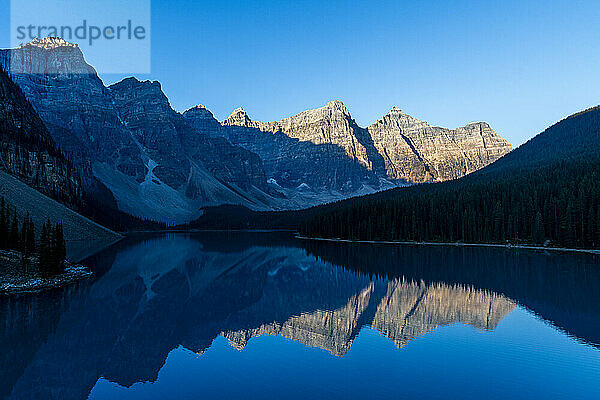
x,y
225,315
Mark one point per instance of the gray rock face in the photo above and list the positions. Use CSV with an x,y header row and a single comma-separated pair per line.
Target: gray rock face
x,y
28,152
74,104
227,162
145,110
331,124
316,148
206,169
203,120
175,145
414,151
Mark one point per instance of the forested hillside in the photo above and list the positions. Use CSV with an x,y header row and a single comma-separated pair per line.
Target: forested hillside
x,y
572,138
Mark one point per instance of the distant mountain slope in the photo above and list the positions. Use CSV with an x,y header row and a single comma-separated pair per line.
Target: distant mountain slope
x,y
27,150
574,137
175,145
330,126
30,160
81,234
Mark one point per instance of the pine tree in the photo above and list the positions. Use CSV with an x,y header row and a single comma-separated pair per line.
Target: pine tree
x,y
44,248
538,228
13,239
3,224
23,248
61,249
30,242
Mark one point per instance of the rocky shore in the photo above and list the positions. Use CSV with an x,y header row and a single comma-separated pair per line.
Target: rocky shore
x,y
22,276
459,244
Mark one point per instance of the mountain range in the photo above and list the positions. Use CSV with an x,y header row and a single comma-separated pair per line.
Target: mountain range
x,y
133,150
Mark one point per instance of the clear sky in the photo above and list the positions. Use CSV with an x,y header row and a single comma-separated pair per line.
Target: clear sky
x,y
519,65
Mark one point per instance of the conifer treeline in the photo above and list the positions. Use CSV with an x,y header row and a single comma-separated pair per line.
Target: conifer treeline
x,y
559,202
52,249
21,237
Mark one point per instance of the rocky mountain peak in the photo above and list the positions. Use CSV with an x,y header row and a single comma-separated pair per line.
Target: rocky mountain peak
x,y
337,105
49,43
397,117
134,82
334,110
51,55
415,151
479,123
395,111
74,104
147,92
199,112
238,117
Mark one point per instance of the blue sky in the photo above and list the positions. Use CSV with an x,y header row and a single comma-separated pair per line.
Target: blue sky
x,y
519,65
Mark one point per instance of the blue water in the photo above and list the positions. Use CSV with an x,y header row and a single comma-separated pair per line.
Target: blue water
x,y
225,315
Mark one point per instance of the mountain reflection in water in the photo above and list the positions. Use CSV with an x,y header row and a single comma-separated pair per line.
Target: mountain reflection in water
x,y
154,293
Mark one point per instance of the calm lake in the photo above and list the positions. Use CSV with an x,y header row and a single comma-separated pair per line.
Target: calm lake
x,y
222,315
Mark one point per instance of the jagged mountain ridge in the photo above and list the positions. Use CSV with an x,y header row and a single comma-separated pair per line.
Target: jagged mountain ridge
x,y
161,165
331,124
173,144
397,147
324,163
74,104
35,177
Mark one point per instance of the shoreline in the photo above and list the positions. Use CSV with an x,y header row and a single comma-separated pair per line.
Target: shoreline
x,y
455,244
17,278
71,275
196,230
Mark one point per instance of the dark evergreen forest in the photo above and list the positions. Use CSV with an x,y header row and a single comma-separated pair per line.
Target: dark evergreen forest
x,y
21,236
